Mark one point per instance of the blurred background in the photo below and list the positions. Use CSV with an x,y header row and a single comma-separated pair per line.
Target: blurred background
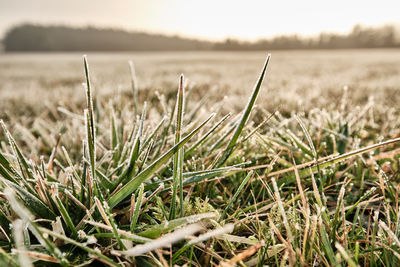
x,y
318,48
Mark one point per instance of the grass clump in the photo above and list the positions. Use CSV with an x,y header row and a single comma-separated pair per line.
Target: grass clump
x,y
176,187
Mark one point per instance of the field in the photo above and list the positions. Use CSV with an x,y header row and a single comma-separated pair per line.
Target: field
x,y
222,167
297,80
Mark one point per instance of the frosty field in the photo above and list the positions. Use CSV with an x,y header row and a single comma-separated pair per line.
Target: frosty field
x,y
295,161
297,80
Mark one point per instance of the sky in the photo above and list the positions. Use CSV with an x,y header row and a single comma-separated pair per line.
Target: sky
x,y
205,19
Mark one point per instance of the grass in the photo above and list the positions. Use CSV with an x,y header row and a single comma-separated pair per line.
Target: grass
x,y
181,186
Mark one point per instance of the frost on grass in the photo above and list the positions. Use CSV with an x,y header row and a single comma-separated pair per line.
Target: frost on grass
x,y
174,186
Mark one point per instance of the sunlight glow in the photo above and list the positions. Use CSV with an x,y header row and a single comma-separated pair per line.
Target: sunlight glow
x,y
208,19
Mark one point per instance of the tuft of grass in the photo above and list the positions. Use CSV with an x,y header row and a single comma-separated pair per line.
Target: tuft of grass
x,y
168,187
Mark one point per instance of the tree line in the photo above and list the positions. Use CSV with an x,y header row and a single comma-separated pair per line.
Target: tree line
x,y
30,37
360,37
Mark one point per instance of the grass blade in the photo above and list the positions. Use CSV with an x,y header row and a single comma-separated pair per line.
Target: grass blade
x,y
157,230
322,165
246,114
238,191
178,160
33,203
108,218
67,219
90,131
135,215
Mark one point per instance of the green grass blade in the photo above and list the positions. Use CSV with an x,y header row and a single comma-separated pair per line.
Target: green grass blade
x,y
67,219
109,219
6,164
114,140
178,161
89,98
238,191
4,173
23,164
138,203
90,130
157,230
90,142
146,156
218,143
327,245
104,180
34,204
246,114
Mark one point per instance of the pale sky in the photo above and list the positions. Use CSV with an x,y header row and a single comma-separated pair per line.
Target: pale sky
x,y
207,19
